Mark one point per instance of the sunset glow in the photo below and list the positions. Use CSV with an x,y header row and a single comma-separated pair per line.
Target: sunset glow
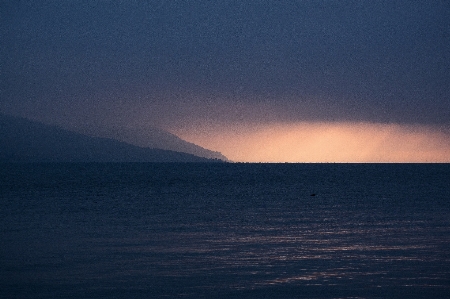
x,y
323,142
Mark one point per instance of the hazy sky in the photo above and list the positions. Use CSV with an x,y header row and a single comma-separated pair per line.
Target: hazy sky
x,y
235,67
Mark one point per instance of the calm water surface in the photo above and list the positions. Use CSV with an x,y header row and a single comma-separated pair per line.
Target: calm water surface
x,y
225,231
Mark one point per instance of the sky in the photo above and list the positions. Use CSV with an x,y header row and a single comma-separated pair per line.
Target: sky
x,y
259,81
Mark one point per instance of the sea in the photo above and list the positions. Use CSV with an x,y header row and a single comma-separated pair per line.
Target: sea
x,y
224,230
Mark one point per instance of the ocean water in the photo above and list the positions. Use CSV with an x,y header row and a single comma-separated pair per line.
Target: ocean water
x,y
224,230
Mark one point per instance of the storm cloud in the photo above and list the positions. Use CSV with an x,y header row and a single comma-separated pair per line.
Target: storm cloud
x,y
178,64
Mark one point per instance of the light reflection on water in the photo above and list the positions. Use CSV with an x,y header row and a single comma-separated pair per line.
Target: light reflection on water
x,y
321,258
224,238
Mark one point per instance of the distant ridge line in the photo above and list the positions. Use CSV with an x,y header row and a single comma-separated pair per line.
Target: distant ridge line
x,y
23,140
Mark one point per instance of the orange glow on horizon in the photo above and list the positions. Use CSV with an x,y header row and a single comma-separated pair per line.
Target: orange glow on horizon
x,y
323,142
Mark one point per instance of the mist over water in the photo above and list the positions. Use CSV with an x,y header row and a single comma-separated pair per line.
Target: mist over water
x,y
221,231
318,142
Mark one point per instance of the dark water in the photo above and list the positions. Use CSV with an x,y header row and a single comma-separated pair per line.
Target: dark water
x,y
225,231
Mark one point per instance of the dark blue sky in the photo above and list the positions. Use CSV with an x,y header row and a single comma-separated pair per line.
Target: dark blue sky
x,y
172,61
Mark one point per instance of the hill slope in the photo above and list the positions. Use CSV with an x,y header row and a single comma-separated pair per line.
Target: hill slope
x,y
22,140
150,137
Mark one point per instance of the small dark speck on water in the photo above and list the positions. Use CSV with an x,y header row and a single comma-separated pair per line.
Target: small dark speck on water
x,y
207,230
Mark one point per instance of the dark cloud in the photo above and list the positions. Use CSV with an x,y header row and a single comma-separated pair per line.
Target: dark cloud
x,y
168,61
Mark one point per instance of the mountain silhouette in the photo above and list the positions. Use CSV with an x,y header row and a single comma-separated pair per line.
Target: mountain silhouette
x,y
22,140
150,137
